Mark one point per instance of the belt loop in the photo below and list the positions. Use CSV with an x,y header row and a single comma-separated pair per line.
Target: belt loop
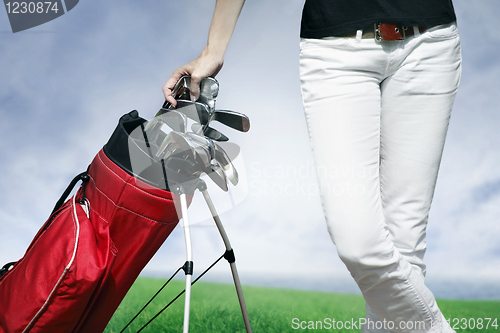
x,y
416,31
359,35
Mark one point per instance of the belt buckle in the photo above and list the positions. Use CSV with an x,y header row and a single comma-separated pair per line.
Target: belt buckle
x,y
380,35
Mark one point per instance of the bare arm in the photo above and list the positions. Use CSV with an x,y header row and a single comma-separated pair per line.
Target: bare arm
x,y
210,61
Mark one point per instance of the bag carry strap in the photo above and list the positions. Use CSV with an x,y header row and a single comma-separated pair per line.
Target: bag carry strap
x,y
6,268
84,177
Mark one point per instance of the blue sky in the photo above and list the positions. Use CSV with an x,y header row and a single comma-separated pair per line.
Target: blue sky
x,y
65,84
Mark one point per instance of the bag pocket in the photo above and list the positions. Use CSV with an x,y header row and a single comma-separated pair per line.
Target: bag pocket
x,y
49,289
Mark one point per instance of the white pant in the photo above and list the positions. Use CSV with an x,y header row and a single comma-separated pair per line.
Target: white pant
x,y
377,114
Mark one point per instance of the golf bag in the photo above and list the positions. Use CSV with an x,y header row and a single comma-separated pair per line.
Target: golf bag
x,y
87,255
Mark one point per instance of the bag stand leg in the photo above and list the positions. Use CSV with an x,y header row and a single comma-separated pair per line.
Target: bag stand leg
x,y
229,255
188,266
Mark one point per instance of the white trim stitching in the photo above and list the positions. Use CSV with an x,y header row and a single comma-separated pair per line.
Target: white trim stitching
x,y
77,235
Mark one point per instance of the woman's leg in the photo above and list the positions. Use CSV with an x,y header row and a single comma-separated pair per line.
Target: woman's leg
x,y
415,109
416,105
342,99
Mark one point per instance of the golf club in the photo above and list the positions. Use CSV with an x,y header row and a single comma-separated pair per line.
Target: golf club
x,y
174,141
233,119
218,176
209,132
224,161
204,142
209,90
176,120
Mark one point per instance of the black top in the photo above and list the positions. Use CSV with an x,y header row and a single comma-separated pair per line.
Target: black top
x,y
324,18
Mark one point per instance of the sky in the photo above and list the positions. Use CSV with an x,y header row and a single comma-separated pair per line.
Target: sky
x,y
65,84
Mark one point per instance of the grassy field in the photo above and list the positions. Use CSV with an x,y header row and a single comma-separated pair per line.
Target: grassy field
x,y
215,308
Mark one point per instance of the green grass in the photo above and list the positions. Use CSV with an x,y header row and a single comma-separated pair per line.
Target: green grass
x,y
215,308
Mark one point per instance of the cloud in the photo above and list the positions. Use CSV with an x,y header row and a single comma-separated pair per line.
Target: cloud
x,y
65,84
486,192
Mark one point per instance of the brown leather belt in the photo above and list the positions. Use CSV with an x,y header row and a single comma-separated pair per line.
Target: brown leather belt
x,y
385,32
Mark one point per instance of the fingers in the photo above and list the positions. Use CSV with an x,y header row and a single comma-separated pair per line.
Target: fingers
x,y
170,84
198,69
206,69
195,87
167,91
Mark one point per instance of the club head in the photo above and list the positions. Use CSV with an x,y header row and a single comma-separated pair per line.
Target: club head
x,y
209,132
196,111
160,117
155,131
233,119
203,156
204,142
175,142
214,134
203,147
180,91
223,159
176,120
218,176
180,171
195,152
209,90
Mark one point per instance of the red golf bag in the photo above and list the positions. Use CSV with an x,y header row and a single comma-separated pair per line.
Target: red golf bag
x,y
86,256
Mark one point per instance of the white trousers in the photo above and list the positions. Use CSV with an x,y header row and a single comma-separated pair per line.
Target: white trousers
x,y
377,115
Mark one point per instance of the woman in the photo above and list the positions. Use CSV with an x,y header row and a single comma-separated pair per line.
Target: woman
x,y
378,80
